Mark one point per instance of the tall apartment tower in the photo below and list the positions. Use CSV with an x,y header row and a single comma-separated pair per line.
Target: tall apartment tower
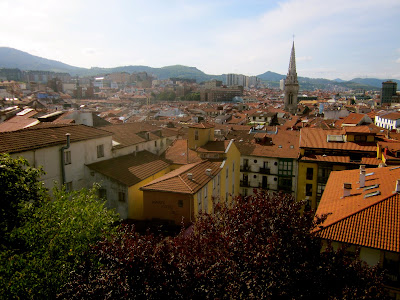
x,y
291,88
388,91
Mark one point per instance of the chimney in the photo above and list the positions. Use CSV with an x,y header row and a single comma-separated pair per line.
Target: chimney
x,y
346,189
208,172
397,186
190,176
362,176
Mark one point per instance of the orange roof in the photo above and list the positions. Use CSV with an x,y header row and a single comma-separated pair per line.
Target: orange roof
x,y
214,146
353,118
178,181
370,216
202,125
132,168
371,161
284,144
177,153
46,135
317,138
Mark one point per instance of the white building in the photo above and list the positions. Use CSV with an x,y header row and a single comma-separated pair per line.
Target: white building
x,y
389,120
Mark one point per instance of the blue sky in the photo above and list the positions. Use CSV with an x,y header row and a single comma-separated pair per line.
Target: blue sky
x,y
333,38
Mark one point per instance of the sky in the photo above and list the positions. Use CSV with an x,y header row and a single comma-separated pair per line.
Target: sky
x,y
333,38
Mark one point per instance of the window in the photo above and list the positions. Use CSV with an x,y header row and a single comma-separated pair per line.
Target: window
x,y
100,151
227,172
103,194
121,196
310,174
360,138
68,186
137,148
233,168
214,182
155,143
180,203
285,167
196,135
199,200
308,189
67,157
205,198
255,161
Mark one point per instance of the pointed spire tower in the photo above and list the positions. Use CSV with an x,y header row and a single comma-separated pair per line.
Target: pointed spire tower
x,y
291,85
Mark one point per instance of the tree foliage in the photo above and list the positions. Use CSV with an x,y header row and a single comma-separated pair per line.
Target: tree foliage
x,y
19,184
262,247
50,235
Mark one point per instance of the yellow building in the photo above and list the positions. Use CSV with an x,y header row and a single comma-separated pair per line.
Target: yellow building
x,y
181,194
323,151
221,158
121,178
199,135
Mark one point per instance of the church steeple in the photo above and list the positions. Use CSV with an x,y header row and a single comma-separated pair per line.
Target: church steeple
x,y
291,85
292,74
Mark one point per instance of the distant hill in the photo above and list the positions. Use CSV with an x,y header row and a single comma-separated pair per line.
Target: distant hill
x,y
13,58
373,81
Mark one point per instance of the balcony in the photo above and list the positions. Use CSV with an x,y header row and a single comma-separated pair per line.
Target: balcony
x,y
244,183
265,171
244,168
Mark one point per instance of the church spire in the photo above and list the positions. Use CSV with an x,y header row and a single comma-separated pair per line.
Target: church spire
x,y
292,74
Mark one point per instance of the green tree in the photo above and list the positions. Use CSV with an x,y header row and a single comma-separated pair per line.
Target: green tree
x,y
19,184
50,236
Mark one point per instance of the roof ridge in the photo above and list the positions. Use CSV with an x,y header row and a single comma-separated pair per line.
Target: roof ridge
x,y
357,212
190,189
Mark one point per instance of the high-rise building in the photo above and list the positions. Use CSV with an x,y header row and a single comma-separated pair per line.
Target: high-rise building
x,y
389,89
291,85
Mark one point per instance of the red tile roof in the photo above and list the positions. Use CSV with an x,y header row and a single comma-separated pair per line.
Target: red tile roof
x,y
214,146
46,135
202,125
177,181
353,118
317,138
177,153
284,144
132,168
363,218
371,161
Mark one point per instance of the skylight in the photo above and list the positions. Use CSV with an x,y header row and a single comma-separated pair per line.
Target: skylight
x,y
370,187
376,193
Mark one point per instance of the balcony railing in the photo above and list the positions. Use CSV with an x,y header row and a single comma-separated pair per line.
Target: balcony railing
x,y
244,168
265,171
244,183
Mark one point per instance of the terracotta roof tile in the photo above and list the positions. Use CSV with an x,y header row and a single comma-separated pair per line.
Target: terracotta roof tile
x,y
131,169
202,125
364,218
353,118
177,181
177,153
46,135
284,144
317,138
214,146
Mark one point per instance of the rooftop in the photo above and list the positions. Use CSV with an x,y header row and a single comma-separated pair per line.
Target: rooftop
x,y
132,168
369,216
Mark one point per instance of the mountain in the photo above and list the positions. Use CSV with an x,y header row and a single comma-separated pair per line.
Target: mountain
x,y
271,76
13,58
373,81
